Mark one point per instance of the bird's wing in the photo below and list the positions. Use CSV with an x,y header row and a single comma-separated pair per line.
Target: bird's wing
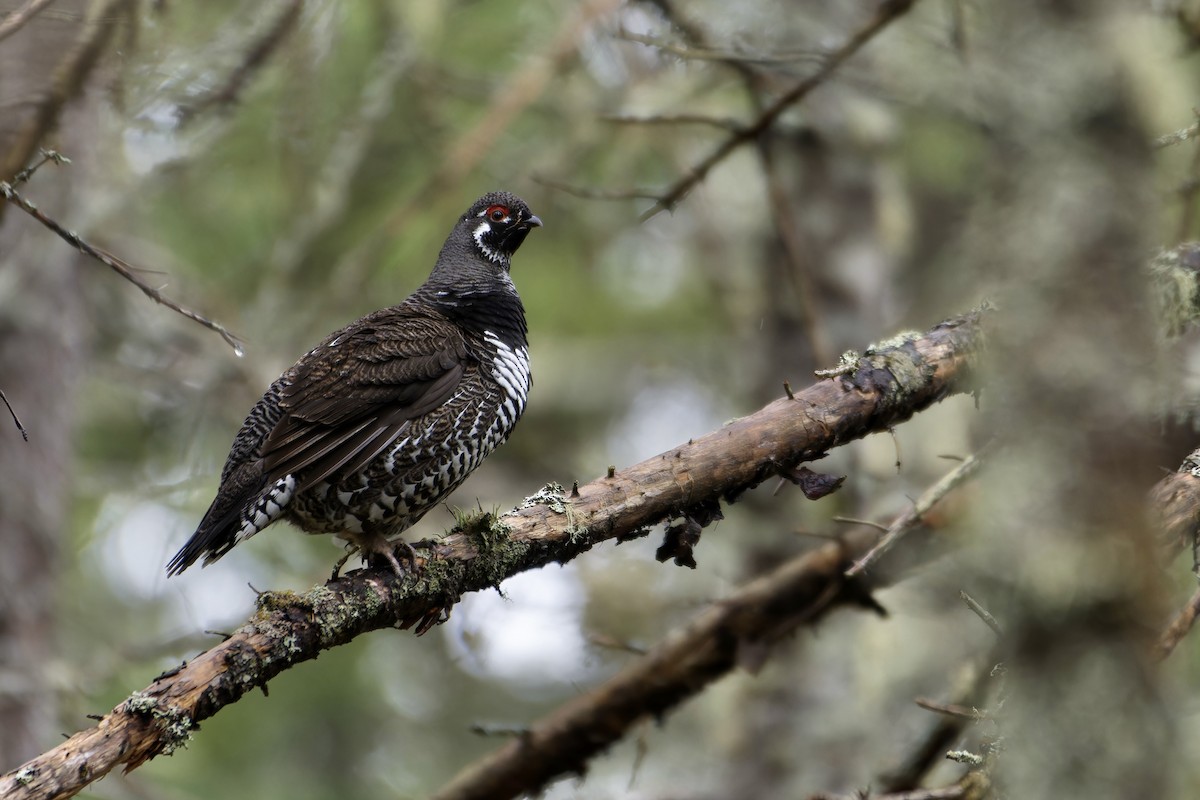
x,y
349,398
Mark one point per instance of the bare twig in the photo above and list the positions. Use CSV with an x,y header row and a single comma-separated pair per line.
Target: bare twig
x,y
856,521
595,194
888,11
17,19
612,643
253,59
1177,137
912,518
954,791
723,123
973,692
712,54
982,613
290,628
121,267
15,419
1180,626
951,709
44,157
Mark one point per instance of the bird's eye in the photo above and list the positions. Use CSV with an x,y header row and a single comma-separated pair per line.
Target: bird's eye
x,y
497,213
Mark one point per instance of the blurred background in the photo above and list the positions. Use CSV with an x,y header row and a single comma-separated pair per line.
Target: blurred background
x,y
285,167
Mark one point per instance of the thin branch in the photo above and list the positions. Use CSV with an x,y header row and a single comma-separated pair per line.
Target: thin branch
x,y
912,518
16,420
724,123
1177,137
856,521
17,19
930,749
595,194
290,628
712,54
955,791
962,712
121,267
1180,626
889,11
253,59
982,613
44,157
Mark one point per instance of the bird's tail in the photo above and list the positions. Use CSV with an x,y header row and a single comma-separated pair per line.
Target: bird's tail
x,y
243,506
214,536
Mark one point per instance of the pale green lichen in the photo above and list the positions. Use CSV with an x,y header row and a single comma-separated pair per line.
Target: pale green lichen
x,y
266,602
25,776
892,342
552,495
1175,283
173,722
847,363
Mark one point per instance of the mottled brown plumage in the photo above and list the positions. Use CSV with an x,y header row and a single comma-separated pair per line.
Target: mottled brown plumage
x,y
382,419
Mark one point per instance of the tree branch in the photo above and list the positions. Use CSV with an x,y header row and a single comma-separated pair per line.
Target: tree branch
x,y
885,386
117,265
889,11
904,523
17,19
737,630
1178,628
256,56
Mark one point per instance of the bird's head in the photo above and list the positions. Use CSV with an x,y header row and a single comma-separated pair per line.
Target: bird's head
x,y
498,222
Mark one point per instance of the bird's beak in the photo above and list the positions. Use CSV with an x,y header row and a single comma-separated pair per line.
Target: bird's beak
x,y
533,222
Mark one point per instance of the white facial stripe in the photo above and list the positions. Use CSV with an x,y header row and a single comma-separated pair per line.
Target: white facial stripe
x,y
492,255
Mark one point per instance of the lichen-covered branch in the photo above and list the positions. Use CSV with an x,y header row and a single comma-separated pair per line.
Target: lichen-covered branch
x,y
869,393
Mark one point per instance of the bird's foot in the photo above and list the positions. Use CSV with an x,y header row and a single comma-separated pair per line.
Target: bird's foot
x,y
388,551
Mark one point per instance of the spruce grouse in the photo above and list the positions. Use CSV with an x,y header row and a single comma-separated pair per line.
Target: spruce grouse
x,y
385,417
